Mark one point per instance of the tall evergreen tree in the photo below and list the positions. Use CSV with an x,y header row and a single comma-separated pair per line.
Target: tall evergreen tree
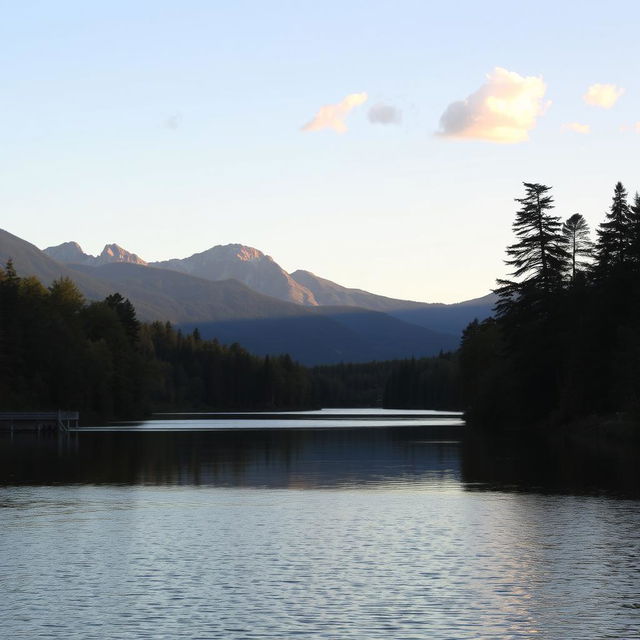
x,y
579,246
612,248
126,314
539,257
634,232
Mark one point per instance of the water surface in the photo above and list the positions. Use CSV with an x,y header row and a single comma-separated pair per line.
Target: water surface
x,y
381,532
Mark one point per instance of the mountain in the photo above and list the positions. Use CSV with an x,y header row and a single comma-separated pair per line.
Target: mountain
x,y
448,318
115,253
164,294
330,293
72,253
68,253
30,261
451,318
246,264
262,274
323,335
232,312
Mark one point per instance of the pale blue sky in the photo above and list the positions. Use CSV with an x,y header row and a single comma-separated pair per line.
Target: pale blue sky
x,y
169,127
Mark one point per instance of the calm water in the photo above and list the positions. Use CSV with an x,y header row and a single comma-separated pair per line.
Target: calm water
x,y
305,532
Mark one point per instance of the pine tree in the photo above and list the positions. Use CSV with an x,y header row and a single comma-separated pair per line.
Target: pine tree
x,y
539,257
612,248
634,232
126,313
579,246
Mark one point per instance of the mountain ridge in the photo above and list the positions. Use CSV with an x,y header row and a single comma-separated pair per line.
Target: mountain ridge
x,y
263,274
71,253
251,266
232,312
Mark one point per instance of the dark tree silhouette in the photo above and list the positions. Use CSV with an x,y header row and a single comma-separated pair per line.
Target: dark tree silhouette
x,y
557,353
634,232
539,256
575,231
126,314
58,351
612,246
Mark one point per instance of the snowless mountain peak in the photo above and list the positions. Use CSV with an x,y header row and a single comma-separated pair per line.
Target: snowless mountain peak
x,y
115,253
72,253
246,264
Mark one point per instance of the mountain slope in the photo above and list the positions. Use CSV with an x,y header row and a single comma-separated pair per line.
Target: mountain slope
x,y
30,261
72,253
451,318
447,318
232,312
330,293
178,297
247,265
263,275
325,335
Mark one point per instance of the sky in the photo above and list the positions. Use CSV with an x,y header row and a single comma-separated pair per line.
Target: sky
x,y
377,144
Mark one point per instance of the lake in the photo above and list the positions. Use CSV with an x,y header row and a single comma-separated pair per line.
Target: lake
x,y
334,525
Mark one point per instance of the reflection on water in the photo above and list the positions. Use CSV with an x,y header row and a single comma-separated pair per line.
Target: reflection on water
x,y
436,456
412,532
270,458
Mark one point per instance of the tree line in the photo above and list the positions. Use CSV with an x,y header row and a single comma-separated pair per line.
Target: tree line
x,y
564,342
416,383
59,351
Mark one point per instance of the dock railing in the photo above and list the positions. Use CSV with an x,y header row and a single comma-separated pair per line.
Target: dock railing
x,y
63,420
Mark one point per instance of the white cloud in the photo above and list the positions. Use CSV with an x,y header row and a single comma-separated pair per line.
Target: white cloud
x,y
504,109
602,95
577,127
384,114
332,116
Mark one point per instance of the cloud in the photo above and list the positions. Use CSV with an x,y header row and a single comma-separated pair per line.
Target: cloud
x,y
626,128
173,121
577,127
602,95
332,116
384,114
504,109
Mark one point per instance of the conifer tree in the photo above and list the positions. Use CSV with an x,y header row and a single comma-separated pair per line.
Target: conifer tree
x,y
579,246
126,313
539,257
634,232
612,248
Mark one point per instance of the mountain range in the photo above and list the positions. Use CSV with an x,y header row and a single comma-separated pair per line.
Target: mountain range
x,y
238,294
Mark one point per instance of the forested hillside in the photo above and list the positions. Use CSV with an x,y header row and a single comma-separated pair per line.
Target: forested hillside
x,y
565,340
58,351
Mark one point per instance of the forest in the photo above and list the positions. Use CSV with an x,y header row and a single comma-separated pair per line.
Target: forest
x,y
562,345
564,342
58,350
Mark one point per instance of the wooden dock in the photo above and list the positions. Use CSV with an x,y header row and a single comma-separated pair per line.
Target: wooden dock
x,y
38,420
